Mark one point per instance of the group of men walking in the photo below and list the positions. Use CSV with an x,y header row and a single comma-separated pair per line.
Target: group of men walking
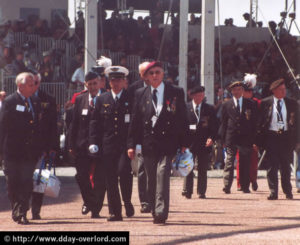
x,y
149,120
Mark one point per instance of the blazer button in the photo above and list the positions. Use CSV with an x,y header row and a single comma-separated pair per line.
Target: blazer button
x,y
31,122
116,126
116,133
152,132
146,122
163,132
116,119
168,123
116,112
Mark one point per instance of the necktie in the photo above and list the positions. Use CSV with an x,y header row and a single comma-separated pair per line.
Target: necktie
x,y
279,114
238,106
154,97
27,104
197,111
92,104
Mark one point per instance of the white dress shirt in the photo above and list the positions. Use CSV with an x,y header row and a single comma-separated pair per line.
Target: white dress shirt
x,y
274,125
160,98
194,107
116,95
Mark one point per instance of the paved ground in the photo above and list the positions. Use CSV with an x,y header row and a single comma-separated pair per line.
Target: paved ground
x,y
220,219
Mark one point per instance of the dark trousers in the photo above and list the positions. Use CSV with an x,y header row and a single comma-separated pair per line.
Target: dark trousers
x,y
19,182
125,177
99,184
117,165
203,160
142,181
279,156
36,202
244,167
158,183
83,167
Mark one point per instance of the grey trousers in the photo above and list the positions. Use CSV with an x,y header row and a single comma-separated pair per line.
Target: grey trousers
x,y
245,161
158,184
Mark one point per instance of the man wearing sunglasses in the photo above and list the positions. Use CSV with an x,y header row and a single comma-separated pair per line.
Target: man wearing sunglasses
x,y
159,124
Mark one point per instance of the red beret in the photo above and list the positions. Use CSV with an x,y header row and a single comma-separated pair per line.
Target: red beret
x,y
151,65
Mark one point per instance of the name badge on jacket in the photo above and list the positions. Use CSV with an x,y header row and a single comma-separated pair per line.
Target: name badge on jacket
x,y
193,127
20,108
84,112
127,118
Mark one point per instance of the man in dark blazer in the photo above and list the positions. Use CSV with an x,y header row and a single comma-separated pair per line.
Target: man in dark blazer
x,y
142,181
277,134
20,144
159,124
238,130
108,135
49,132
79,133
203,129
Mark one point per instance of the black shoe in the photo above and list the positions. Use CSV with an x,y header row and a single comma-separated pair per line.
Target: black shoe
x,y
272,196
254,186
115,218
186,195
129,209
226,190
289,196
36,217
145,208
85,210
158,220
95,215
202,196
246,191
23,220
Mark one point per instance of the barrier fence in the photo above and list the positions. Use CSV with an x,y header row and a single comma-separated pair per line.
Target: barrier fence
x,y
60,91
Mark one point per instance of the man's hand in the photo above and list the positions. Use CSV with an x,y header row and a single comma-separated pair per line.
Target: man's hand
x,y
209,142
131,153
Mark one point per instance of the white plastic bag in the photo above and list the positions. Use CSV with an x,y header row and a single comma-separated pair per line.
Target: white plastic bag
x,y
183,163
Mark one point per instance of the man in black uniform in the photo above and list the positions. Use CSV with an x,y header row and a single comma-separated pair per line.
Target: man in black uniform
x,y
159,122
238,130
278,136
203,130
142,181
48,127
108,135
20,145
79,133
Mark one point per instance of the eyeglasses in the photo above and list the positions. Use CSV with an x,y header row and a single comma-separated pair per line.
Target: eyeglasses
x,y
154,72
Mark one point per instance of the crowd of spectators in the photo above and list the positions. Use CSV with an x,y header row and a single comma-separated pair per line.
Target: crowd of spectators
x,y
143,37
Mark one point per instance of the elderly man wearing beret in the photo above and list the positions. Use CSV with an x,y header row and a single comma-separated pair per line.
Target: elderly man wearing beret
x,y
159,124
278,136
237,131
